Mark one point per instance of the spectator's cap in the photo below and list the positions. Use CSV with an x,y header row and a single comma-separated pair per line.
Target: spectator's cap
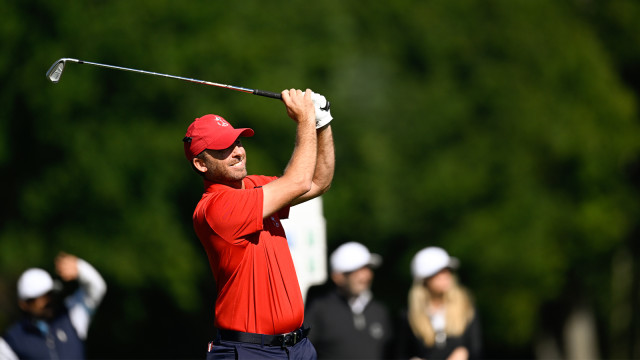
x,y
352,256
211,132
34,283
429,261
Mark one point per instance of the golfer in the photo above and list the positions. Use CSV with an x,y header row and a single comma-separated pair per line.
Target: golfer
x,y
259,310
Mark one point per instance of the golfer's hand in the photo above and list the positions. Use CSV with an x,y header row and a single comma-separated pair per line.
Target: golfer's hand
x,y
299,105
67,266
323,114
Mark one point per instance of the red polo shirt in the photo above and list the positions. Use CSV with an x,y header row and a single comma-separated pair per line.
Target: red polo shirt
x,y
258,289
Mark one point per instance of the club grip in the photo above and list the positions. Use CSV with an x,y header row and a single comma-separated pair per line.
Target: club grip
x,y
267,94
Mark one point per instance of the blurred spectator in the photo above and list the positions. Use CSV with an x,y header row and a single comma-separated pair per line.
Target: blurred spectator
x,y
441,322
346,322
54,328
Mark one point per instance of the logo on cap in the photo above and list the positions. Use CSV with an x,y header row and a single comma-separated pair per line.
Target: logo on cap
x,y
221,121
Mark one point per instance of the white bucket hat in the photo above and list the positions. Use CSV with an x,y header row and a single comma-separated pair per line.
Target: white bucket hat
x,y
429,261
34,283
352,256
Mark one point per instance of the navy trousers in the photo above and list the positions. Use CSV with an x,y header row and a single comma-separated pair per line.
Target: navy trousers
x,y
234,350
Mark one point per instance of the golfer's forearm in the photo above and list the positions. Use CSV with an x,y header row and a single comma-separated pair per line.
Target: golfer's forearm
x,y
326,160
297,178
302,165
325,165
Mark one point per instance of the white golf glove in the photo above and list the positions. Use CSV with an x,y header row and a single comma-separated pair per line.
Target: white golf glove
x,y
323,113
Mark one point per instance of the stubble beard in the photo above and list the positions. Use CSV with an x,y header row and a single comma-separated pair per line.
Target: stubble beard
x,y
227,176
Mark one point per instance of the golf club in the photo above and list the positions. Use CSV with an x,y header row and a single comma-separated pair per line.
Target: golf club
x,y
55,72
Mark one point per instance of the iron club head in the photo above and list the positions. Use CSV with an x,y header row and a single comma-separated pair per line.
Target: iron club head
x,y
55,71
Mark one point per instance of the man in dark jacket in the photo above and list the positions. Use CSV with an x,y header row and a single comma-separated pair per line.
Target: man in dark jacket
x,y
346,322
51,329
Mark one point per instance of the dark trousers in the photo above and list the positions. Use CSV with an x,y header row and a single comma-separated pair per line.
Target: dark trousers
x,y
234,350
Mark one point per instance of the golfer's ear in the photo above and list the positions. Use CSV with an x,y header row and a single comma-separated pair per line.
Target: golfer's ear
x,y
199,164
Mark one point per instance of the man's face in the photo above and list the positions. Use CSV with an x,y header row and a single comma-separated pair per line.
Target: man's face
x,y
228,166
355,282
40,307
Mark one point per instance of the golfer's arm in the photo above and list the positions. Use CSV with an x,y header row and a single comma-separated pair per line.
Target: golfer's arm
x,y
325,167
297,179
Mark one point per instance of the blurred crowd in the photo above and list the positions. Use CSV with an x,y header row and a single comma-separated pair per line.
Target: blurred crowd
x,y
347,321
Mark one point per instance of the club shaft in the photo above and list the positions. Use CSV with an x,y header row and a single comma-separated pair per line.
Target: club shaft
x,y
204,82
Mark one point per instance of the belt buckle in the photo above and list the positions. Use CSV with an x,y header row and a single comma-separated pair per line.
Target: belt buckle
x,y
283,339
288,339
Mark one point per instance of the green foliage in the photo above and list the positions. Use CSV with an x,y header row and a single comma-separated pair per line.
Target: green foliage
x,y
500,130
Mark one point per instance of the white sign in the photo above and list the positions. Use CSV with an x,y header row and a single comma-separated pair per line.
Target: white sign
x,y
307,237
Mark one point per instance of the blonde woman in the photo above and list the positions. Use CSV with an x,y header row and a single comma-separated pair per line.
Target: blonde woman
x,y
441,321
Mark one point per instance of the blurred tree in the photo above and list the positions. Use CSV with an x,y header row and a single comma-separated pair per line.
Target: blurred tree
x,y
615,23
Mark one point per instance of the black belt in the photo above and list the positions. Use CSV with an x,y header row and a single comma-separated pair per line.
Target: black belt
x,y
288,339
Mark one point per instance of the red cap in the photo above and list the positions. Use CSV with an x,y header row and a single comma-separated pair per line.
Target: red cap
x,y
211,132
